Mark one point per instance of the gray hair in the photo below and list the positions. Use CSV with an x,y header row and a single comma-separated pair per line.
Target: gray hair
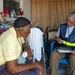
x,y
72,14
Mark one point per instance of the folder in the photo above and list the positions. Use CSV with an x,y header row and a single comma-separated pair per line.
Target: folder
x,y
64,50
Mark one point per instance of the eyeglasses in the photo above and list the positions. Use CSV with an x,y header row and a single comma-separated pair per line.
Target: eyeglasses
x,y
68,21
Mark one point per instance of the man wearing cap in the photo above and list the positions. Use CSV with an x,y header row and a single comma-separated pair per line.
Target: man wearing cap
x,y
11,47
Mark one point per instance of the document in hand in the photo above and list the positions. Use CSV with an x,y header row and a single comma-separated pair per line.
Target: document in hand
x,y
64,50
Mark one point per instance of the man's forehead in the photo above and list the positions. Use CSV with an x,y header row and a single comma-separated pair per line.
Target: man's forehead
x,y
70,18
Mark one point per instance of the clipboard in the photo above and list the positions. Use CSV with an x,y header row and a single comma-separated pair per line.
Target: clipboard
x,y
64,50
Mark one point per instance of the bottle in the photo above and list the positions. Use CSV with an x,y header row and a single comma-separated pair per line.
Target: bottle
x,y
24,54
12,14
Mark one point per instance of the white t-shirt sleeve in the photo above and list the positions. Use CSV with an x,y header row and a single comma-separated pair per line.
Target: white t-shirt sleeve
x,y
58,32
9,49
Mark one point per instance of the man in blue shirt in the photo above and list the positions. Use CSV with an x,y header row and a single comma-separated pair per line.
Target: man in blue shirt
x,y
65,32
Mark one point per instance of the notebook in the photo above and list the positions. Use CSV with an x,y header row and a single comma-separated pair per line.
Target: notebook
x,y
64,50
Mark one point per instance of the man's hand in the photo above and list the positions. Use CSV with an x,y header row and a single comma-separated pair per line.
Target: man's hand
x,y
41,67
60,41
27,49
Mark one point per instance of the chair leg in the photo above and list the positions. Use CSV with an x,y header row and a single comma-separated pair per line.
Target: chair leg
x,y
59,67
44,58
65,69
33,55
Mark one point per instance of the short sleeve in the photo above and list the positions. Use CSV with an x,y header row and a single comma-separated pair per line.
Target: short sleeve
x,y
9,49
58,32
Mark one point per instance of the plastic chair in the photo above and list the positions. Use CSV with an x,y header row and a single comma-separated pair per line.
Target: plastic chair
x,y
64,60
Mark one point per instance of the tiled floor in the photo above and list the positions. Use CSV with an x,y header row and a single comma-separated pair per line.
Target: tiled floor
x,y
62,71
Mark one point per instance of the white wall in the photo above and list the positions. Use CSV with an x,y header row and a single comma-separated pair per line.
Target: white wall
x,y
26,6
1,5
